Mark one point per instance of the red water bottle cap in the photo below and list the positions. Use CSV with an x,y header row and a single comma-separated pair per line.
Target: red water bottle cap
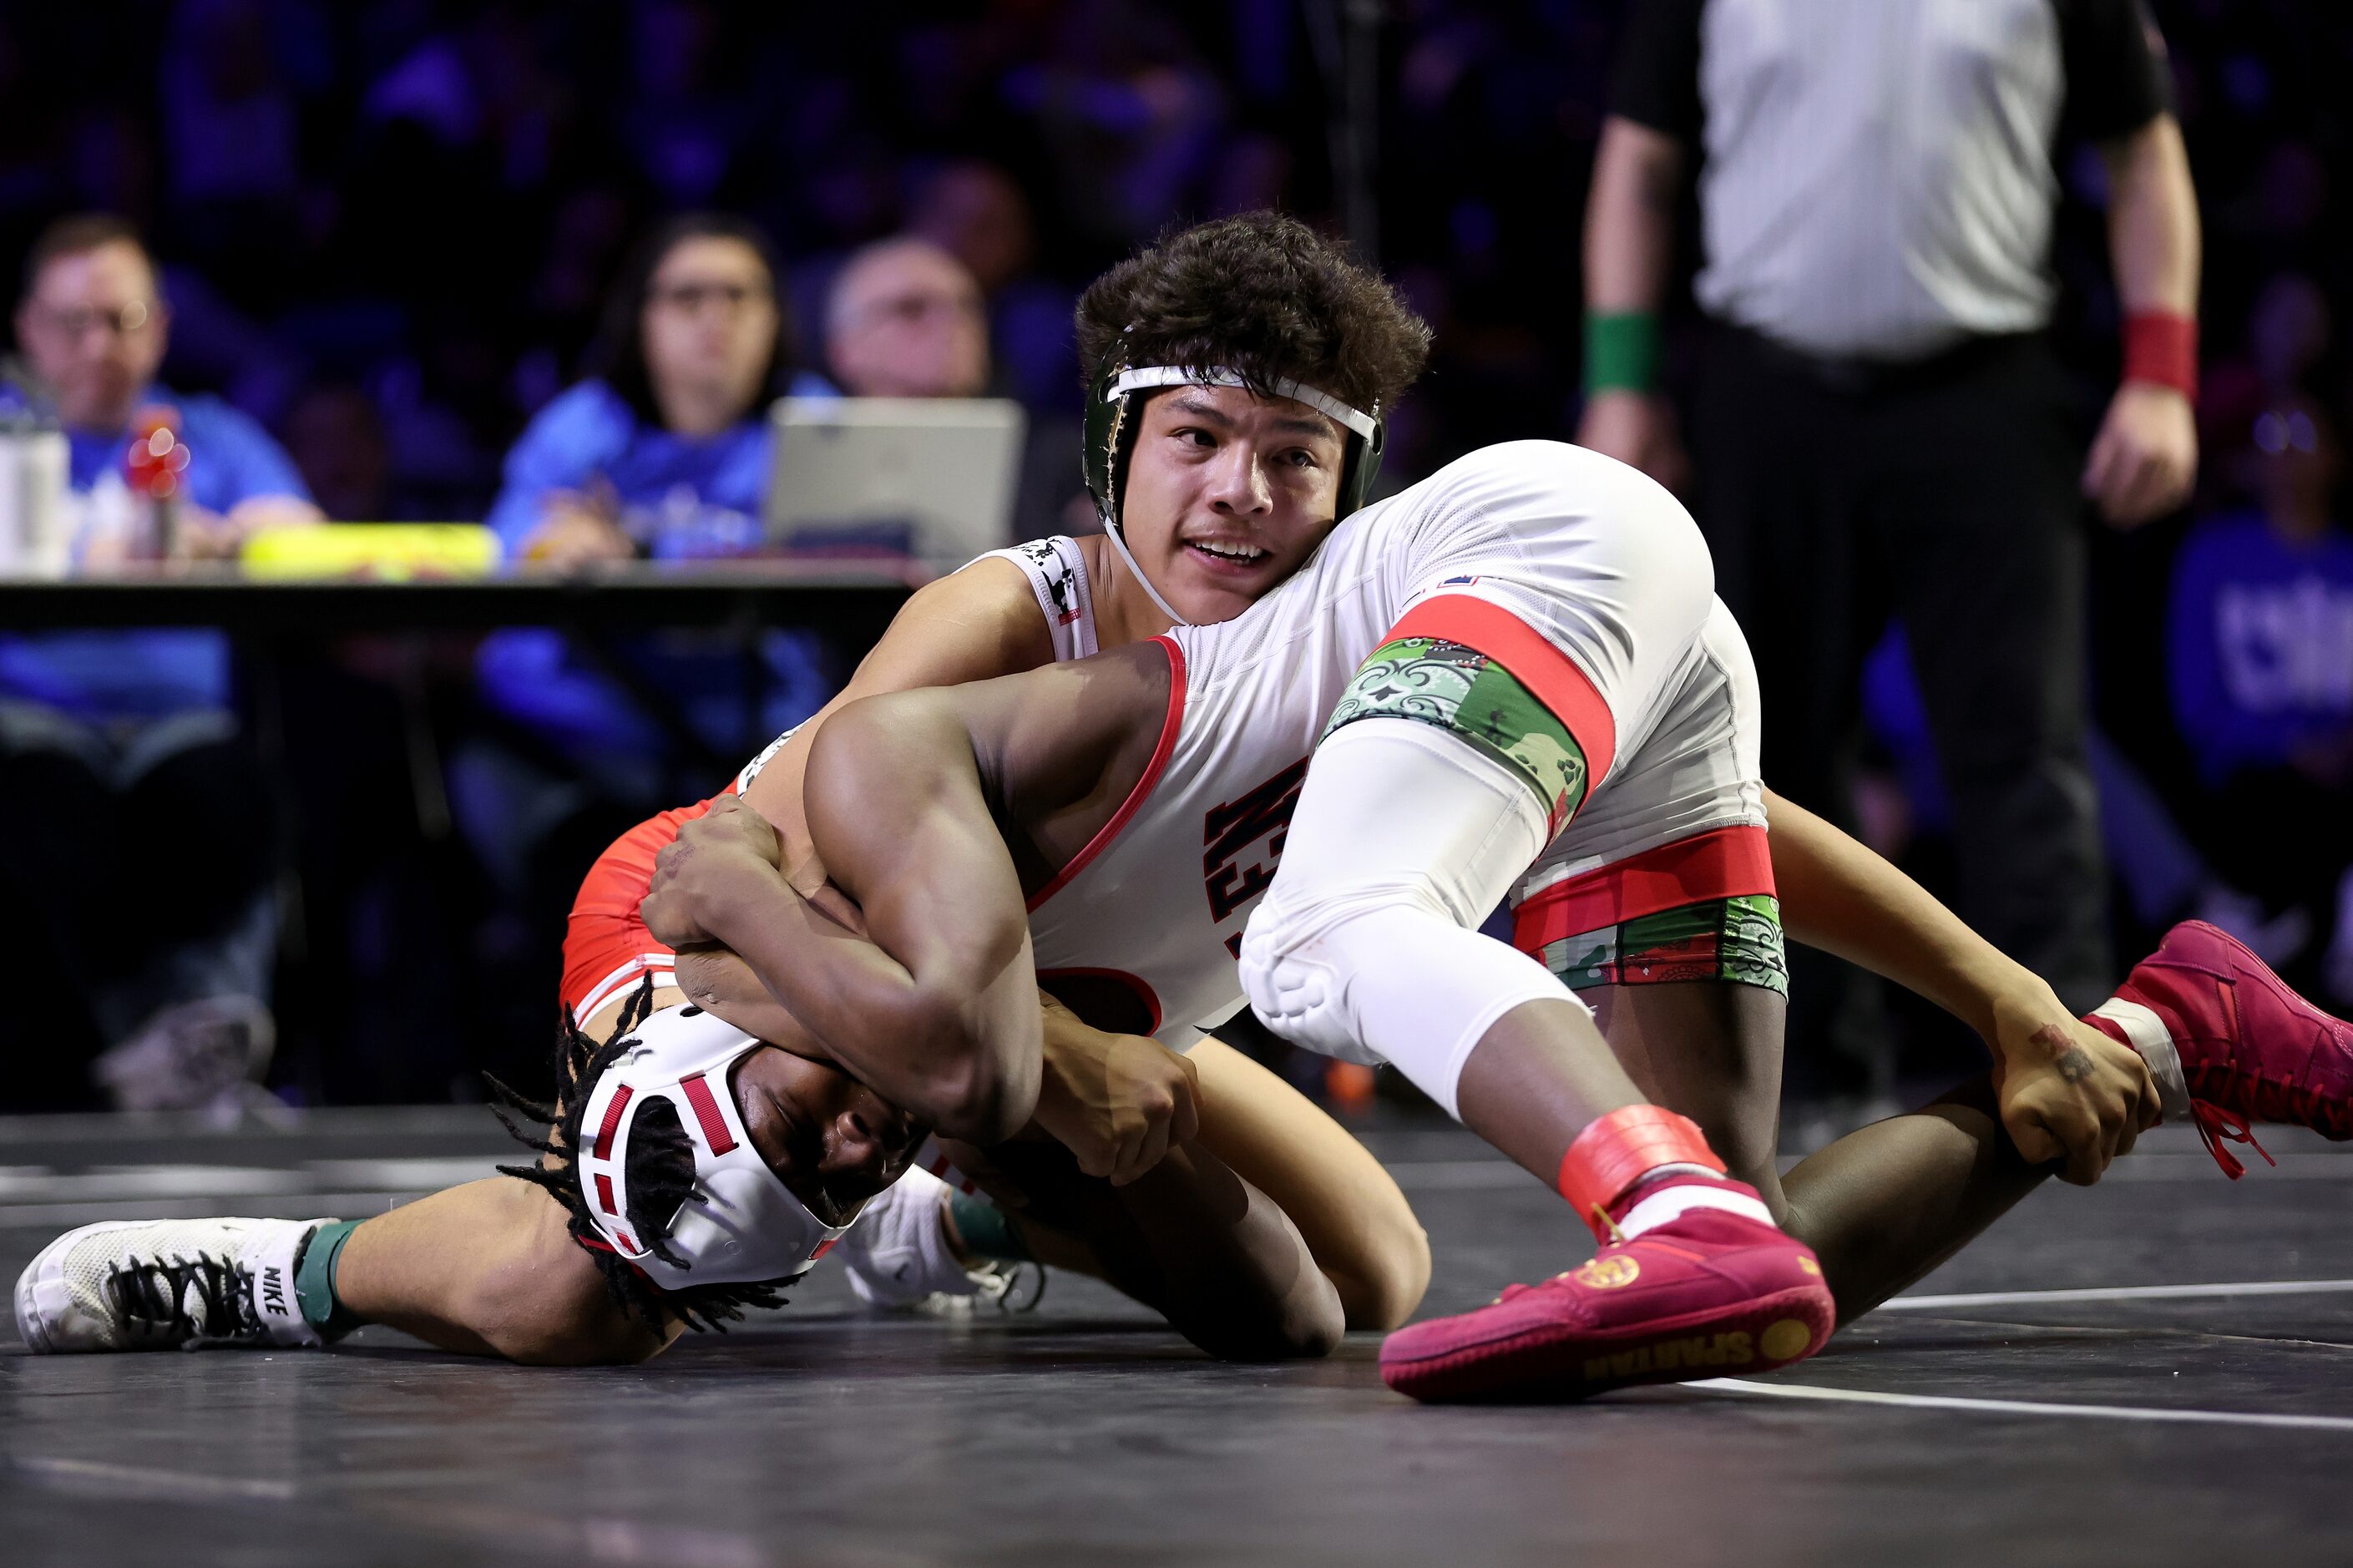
x,y
157,457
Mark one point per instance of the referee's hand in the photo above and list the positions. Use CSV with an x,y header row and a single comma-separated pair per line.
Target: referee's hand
x,y
2146,457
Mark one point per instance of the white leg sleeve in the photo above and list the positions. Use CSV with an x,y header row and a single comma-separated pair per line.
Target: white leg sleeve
x,y
1366,945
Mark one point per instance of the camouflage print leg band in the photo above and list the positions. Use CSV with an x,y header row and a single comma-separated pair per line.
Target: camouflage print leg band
x,y
1458,689
1736,939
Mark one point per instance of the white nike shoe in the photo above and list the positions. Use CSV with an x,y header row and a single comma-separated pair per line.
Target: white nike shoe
x,y
140,1285
900,1260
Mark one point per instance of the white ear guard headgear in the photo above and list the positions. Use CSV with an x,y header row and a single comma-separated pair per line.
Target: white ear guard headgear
x,y
1111,437
742,1225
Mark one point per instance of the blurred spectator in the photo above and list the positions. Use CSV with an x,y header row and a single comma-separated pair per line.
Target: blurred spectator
x,y
905,319
1880,423
152,913
1127,111
2288,331
230,129
336,439
2261,635
976,212
663,452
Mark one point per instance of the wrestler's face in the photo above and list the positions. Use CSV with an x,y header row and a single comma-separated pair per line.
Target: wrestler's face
x,y
1227,493
831,1140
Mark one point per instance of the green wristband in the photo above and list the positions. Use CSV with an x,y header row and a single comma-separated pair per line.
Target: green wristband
x,y
1621,350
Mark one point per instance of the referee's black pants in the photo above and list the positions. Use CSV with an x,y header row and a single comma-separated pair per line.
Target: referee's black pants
x,y
1944,493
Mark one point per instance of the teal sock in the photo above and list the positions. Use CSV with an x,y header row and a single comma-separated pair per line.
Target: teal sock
x,y
985,1229
314,1281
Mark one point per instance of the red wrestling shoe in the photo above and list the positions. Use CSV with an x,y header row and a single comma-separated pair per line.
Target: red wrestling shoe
x,y
2250,1048
1706,1293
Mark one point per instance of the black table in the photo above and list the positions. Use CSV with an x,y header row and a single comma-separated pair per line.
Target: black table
x,y
850,601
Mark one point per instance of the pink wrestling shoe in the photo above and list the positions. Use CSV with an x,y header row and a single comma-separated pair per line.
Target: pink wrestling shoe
x,y
1703,1292
2248,1048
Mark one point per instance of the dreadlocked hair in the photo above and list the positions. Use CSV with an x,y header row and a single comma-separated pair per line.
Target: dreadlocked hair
x,y
660,1164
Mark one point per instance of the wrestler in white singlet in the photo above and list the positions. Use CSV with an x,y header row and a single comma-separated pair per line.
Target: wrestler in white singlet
x,y
1528,543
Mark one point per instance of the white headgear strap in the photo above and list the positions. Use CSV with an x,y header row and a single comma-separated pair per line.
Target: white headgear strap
x,y
741,1226
1324,403
1145,377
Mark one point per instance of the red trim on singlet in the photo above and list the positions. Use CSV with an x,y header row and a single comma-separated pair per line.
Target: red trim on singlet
x,y
1567,692
1722,863
604,1149
605,936
706,1112
1136,983
1169,726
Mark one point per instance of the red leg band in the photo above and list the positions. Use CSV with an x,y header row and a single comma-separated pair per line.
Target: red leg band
x,y
1612,1154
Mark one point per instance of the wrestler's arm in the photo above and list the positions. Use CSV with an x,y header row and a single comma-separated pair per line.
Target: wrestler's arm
x,y
718,980
2066,1089
935,1007
1117,1102
980,621
971,625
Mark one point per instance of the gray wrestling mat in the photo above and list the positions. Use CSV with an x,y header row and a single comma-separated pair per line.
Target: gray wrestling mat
x,y
2156,1371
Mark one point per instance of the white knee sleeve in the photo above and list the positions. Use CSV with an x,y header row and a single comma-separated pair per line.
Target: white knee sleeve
x,y
1367,946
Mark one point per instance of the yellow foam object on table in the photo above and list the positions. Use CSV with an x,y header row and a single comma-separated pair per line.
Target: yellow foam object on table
x,y
395,550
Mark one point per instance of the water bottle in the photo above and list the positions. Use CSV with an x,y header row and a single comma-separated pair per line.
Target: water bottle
x,y
33,471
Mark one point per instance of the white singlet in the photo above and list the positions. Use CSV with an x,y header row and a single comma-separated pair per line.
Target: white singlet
x,y
1595,558
1057,570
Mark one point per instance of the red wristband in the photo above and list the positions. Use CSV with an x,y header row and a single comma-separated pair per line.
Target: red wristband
x,y
1614,1150
2161,348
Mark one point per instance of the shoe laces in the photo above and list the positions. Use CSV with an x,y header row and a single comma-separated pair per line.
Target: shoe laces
x,y
2215,1124
154,1293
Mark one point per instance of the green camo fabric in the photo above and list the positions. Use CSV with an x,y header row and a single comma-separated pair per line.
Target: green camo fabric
x,y
1748,947
1461,689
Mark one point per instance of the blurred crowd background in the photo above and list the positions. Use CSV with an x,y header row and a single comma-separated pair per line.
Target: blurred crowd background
x,y
394,235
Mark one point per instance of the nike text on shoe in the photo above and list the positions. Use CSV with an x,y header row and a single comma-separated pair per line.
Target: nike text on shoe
x,y
2248,1048
166,1284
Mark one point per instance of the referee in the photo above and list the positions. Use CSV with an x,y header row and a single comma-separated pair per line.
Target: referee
x,y
1879,426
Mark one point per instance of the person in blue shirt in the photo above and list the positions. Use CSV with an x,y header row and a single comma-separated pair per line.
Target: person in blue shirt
x,y
2260,644
124,739
662,452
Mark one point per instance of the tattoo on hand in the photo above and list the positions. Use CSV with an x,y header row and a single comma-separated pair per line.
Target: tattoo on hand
x,y
2073,1062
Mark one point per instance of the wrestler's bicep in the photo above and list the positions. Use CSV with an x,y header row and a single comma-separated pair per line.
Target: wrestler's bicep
x,y
897,810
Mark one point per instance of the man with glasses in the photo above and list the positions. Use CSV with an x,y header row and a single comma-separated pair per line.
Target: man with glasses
x,y
126,736
904,319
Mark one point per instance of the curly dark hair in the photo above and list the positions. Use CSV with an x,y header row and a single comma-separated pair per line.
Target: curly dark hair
x,y
1266,296
660,1164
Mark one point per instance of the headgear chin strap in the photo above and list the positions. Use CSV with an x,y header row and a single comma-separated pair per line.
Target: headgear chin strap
x,y
1110,440
741,1226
